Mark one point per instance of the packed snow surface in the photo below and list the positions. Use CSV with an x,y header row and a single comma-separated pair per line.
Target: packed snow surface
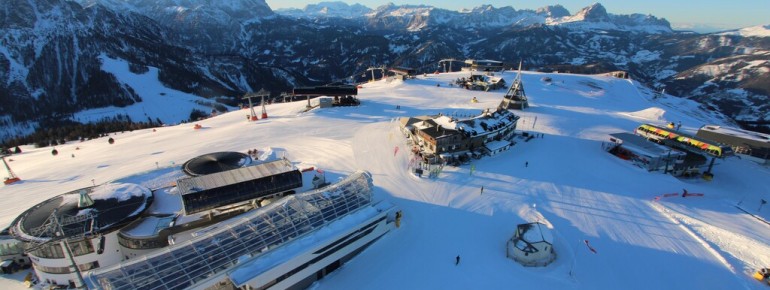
x,y
569,183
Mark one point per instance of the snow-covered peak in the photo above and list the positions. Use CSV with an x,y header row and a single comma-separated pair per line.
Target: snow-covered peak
x,y
752,31
596,17
392,10
482,9
327,9
594,13
554,11
416,17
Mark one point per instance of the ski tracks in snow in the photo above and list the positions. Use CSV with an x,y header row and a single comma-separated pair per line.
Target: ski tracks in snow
x,y
742,250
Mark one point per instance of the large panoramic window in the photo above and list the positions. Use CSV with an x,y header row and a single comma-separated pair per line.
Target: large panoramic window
x,y
89,266
11,249
80,248
51,251
52,270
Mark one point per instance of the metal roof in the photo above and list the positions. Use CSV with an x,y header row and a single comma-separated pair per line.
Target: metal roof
x,y
224,178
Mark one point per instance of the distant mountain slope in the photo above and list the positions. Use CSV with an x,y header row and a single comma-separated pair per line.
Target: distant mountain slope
x,y
50,70
753,31
326,9
50,67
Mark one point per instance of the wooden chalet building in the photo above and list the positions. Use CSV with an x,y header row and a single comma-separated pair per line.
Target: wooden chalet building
x,y
436,138
450,138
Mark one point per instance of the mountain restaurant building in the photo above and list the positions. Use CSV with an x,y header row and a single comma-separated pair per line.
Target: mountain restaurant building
x,y
485,65
749,144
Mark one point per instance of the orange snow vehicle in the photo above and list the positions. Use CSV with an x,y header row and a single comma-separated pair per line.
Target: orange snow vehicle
x,y
762,274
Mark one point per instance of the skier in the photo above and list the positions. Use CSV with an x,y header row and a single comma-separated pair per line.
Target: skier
x,y
684,192
482,190
457,260
526,164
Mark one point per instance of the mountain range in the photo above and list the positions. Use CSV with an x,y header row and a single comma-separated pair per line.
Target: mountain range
x,y
52,52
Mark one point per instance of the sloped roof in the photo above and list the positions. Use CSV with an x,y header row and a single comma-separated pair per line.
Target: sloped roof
x,y
500,118
535,233
410,121
740,133
439,131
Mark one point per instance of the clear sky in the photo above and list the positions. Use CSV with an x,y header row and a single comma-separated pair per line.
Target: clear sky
x,y
700,15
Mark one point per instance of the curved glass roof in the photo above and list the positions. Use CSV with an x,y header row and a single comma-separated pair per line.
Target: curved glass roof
x,y
183,265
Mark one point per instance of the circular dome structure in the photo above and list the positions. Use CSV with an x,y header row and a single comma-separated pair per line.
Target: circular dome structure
x,y
215,162
83,212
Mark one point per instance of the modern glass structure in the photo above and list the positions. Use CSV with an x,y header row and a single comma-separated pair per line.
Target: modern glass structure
x,y
256,233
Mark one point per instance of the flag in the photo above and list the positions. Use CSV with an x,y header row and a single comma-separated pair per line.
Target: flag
x,y
589,247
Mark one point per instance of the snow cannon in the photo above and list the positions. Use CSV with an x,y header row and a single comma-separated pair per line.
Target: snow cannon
x,y
11,176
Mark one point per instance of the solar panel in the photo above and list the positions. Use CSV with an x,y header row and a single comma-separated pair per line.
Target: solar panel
x,y
254,233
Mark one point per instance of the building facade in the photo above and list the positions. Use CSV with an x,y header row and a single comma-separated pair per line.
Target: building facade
x,y
450,138
749,144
